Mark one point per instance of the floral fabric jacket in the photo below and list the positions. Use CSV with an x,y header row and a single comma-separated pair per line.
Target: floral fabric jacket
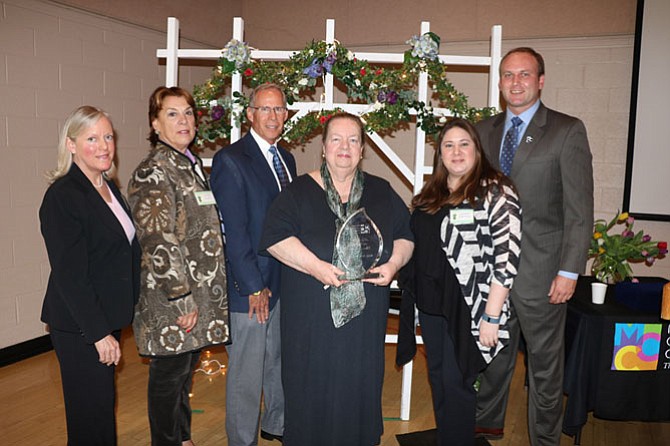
x,y
183,265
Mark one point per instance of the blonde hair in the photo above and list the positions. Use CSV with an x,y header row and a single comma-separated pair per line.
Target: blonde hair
x,y
78,121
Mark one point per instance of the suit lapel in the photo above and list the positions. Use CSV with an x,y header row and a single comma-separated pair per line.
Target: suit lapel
x,y
97,203
259,164
495,139
530,140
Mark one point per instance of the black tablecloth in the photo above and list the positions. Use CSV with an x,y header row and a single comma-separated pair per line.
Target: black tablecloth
x,y
590,383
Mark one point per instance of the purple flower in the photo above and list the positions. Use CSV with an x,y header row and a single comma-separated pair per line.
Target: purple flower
x,y
329,62
390,97
644,253
650,260
628,234
314,70
217,112
662,252
646,238
630,220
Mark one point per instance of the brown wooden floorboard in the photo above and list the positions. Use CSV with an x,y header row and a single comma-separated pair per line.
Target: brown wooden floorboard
x,y
31,412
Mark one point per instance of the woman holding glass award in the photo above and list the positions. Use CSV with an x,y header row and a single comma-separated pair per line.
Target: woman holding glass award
x,y
467,227
342,235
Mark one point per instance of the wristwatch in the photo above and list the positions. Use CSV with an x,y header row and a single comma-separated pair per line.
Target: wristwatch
x,y
490,319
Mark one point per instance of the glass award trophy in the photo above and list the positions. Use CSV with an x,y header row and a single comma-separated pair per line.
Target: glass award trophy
x,y
359,246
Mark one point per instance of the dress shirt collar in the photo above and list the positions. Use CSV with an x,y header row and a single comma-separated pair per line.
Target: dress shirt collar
x,y
526,117
262,144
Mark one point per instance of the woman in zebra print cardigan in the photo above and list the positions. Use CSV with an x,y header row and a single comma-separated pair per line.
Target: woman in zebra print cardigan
x,y
467,229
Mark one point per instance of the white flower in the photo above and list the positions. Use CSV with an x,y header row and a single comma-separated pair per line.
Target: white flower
x,y
213,103
377,105
350,55
303,81
357,82
443,119
373,86
238,52
310,52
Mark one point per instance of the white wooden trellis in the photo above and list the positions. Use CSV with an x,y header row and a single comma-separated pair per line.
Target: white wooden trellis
x,y
173,53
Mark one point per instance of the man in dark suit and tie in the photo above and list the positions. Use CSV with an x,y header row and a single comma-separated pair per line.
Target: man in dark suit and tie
x,y
547,155
246,178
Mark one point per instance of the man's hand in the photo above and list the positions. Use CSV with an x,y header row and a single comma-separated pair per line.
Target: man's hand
x,y
260,304
561,290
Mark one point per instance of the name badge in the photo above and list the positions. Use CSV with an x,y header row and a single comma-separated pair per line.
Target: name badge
x,y
462,216
205,198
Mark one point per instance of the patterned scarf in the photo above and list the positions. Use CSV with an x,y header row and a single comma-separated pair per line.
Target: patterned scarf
x,y
347,301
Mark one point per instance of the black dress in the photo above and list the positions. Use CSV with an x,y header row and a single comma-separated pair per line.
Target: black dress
x,y
332,376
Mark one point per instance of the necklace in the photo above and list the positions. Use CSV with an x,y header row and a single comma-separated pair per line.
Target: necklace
x,y
99,185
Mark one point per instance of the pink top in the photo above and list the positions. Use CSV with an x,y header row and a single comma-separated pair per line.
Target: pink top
x,y
123,217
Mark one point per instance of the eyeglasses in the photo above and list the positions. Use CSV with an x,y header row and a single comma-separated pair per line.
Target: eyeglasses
x,y
265,110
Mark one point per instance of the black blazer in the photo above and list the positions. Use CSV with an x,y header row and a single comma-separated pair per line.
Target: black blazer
x,y
95,272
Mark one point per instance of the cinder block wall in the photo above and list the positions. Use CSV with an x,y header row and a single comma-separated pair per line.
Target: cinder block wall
x,y
53,59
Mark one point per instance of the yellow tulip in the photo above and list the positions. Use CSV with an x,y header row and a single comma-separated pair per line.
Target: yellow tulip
x,y
601,250
597,235
623,216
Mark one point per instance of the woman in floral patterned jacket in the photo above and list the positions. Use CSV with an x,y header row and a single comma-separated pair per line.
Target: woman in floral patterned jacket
x,y
183,304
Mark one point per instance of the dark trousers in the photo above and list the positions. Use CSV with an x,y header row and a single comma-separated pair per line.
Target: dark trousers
x,y
170,381
454,397
543,327
88,391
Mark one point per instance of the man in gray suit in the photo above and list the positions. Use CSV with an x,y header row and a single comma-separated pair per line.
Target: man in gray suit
x,y
246,178
547,155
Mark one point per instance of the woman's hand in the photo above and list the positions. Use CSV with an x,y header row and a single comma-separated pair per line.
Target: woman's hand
x,y
488,333
386,273
188,321
326,273
402,252
109,350
293,253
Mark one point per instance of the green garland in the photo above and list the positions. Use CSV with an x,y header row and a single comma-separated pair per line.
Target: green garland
x,y
391,91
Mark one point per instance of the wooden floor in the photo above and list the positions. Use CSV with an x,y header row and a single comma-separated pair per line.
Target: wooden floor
x,y
31,412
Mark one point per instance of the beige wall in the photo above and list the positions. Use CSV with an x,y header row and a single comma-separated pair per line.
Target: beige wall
x,y
54,58
290,23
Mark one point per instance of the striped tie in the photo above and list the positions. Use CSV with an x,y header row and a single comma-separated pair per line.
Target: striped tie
x,y
279,168
509,146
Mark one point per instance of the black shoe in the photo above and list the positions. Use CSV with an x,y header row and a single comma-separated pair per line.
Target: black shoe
x,y
268,436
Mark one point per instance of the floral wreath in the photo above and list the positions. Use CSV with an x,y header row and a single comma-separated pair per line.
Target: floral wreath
x,y
389,91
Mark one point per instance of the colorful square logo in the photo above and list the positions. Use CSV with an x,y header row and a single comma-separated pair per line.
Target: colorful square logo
x,y
636,347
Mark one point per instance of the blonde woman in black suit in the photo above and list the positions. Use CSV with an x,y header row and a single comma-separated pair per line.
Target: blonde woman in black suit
x,y
94,280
